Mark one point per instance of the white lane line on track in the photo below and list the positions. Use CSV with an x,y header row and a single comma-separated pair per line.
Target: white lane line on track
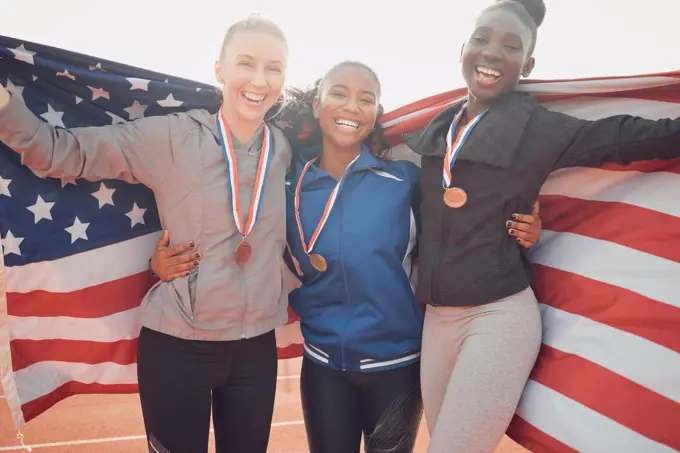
x,y
116,439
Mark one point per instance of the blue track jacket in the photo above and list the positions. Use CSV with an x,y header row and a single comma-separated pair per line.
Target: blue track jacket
x,y
361,313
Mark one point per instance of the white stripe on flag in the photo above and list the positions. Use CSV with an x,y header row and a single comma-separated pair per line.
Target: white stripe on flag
x,y
603,261
115,327
649,364
599,86
630,187
114,261
42,378
578,426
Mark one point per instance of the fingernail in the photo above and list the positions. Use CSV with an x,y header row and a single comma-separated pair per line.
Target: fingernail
x,y
197,255
191,243
186,274
512,232
195,263
517,240
508,223
514,216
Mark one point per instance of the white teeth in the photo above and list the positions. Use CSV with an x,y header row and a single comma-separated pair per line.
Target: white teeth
x,y
254,97
347,123
489,71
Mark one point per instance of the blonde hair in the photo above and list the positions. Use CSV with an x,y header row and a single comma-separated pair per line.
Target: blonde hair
x,y
253,23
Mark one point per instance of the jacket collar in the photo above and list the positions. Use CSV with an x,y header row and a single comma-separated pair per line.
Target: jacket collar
x,y
365,161
493,141
207,119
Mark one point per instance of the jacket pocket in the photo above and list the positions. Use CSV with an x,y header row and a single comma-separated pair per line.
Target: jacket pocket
x,y
184,291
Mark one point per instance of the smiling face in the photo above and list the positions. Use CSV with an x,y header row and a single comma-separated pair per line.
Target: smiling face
x,y
497,54
252,73
347,105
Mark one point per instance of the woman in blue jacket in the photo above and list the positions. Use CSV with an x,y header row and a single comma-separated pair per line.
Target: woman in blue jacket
x,y
352,228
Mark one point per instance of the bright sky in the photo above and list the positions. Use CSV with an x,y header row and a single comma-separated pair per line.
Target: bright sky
x,y
414,47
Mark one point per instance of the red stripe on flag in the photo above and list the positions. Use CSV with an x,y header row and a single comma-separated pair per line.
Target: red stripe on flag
x,y
36,407
28,352
533,439
611,305
621,223
609,394
94,302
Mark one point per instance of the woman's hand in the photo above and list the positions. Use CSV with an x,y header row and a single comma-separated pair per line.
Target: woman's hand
x,y
526,228
168,263
4,96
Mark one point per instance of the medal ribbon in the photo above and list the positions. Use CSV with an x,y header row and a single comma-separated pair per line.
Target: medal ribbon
x,y
260,176
327,210
454,148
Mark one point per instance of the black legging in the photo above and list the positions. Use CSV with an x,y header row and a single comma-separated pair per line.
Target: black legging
x,y
180,380
339,406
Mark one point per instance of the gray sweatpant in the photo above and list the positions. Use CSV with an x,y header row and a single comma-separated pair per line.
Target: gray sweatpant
x,y
474,365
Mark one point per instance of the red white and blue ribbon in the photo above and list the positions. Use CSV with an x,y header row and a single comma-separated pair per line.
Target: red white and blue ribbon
x,y
260,176
454,148
327,210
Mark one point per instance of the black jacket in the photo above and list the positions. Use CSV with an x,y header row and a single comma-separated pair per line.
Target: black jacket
x,y
466,255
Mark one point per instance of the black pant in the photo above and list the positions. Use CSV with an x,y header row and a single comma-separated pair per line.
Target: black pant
x,y
339,406
180,380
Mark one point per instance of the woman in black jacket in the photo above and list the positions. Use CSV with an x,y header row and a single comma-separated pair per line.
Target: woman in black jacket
x,y
482,160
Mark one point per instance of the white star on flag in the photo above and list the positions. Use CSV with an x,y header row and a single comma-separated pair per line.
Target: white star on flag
x,y
21,54
99,93
67,181
66,74
136,110
14,89
115,119
104,195
138,84
77,230
170,101
10,244
4,187
41,209
136,215
53,117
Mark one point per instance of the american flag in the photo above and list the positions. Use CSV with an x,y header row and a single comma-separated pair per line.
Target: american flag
x,y
76,260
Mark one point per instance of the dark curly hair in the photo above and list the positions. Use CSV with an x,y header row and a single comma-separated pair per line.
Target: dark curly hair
x,y
295,115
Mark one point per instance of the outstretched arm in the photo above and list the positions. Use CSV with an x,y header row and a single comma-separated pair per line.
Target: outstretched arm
x,y
620,139
138,151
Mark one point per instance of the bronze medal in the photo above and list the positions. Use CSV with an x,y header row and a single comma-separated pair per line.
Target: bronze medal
x,y
243,252
318,262
455,197
244,249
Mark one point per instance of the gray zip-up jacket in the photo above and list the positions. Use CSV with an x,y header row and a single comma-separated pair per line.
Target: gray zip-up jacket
x,y
180,159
